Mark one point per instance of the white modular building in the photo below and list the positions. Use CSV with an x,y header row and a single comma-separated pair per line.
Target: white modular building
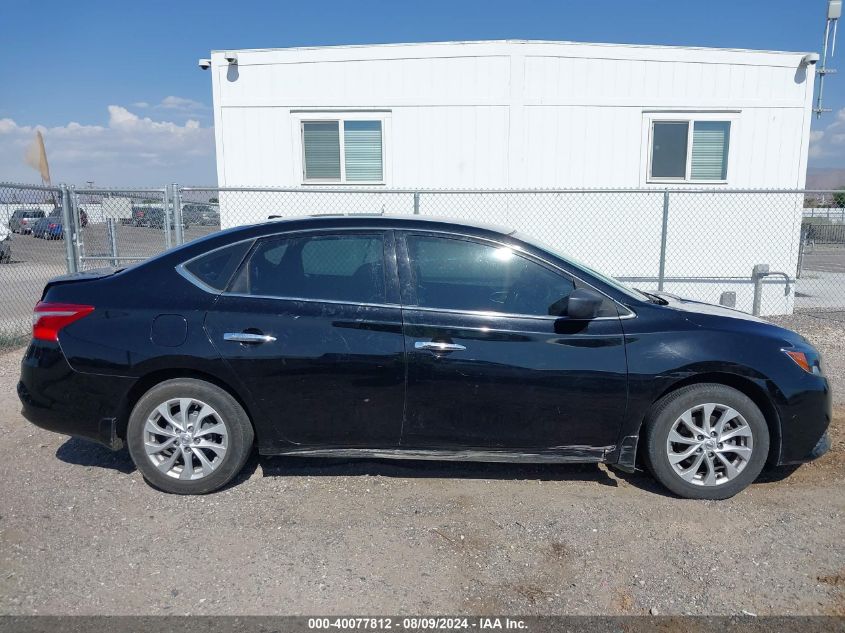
x,y
543,115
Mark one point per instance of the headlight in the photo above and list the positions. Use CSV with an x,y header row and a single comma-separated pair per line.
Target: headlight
x,y
809,361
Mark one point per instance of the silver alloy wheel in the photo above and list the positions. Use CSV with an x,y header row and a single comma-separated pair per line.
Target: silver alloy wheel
x,y
185,438
709,444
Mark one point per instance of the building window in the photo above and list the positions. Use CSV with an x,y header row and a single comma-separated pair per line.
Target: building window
x,y
321,144
343,151
690,150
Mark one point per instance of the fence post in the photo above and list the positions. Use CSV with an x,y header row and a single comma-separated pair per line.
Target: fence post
x,y
68,230
166,224
758,273
661,275
112,241
416,203
177,213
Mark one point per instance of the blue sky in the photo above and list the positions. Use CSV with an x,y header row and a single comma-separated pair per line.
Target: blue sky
x,y
117,88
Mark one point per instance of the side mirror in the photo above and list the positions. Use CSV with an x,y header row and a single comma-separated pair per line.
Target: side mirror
x,y
584,303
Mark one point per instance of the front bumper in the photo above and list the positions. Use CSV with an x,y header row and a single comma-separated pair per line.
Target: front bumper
x,y
59,399
821,447
804,420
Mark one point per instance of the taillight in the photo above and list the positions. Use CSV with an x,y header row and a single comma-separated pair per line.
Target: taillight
x,y
52,226
49,318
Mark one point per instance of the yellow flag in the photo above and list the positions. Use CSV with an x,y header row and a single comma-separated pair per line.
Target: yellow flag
x,y
36,157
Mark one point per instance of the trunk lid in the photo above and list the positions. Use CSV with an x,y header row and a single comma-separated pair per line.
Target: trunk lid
x,y
86,275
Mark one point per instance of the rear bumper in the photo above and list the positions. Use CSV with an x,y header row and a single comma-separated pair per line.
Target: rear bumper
x,y
59,399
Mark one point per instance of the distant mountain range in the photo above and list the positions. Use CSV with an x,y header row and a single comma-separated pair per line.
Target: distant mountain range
x,y
825,178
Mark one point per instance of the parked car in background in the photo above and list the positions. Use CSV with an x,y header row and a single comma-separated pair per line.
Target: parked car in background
x,y
155,218
399,337
139,215
5,245
23,220
50,226
200,214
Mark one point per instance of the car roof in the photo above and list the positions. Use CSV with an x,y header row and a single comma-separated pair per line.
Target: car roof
x,y
398,221
276,226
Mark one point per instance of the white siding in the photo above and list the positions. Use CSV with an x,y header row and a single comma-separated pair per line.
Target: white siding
x,y
511,114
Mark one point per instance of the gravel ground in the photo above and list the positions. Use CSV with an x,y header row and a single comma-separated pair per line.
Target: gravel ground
x,y
81,533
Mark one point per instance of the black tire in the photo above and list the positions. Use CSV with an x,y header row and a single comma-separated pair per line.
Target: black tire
x,y
239,429
667,411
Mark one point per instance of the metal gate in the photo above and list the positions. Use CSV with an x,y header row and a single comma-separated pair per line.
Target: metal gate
x,y
115,227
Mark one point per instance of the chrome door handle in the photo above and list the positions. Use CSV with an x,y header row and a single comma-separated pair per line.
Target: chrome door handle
x,y
248,337
436,346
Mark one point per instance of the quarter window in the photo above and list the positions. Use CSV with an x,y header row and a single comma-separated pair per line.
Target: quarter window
x,y
689,150
216,268
334,267
342,151
463,275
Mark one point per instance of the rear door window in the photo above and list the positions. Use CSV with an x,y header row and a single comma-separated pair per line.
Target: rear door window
x,y
341,267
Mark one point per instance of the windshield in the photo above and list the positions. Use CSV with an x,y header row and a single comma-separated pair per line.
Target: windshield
x,y
610,281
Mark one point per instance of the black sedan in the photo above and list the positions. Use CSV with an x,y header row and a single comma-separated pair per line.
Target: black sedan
x,y
409,338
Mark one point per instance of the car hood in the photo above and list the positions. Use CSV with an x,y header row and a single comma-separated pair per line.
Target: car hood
x,y
712,315
710,309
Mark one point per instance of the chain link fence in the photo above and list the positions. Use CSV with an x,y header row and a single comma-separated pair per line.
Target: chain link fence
x,y
31,252
760,251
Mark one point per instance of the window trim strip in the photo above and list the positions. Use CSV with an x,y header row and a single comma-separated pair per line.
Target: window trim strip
x,y
629,313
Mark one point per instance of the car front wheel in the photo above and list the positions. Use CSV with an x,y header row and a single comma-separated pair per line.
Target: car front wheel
x,y
188,436
706,441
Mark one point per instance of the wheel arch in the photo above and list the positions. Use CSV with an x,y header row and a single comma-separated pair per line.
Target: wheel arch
x,y
745,386
153,378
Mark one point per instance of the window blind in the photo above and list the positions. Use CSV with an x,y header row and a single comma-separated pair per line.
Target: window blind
x,y
362,150
710,150
321,144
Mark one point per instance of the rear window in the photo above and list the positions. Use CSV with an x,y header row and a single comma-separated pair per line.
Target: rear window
x,y
216,268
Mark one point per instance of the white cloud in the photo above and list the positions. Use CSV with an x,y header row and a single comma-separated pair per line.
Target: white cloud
x,y
180,103
127,150
816,140
827,144
172,102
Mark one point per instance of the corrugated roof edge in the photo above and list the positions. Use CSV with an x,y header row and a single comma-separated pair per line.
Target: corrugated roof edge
x,y
552,42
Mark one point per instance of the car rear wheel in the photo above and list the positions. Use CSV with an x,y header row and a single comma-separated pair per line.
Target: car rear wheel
x,y
706,441
188,436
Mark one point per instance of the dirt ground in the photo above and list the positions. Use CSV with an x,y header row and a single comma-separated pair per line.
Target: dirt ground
x,y
81,533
